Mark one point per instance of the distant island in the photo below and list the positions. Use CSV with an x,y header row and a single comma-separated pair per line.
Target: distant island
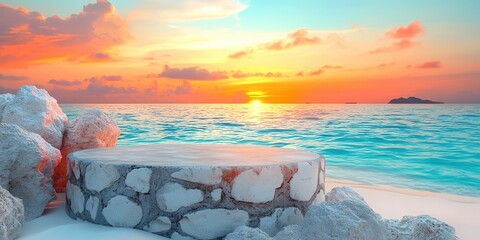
x,y
412,100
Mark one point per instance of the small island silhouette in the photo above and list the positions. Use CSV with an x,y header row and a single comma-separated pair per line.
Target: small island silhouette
x,y
412,100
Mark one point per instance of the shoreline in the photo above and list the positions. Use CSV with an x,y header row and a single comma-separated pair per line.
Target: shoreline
x,y
388,201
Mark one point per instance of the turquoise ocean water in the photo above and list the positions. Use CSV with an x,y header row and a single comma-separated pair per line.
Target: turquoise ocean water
x,y
426,147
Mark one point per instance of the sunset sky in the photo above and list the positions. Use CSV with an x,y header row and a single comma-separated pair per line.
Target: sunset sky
x,y
224,51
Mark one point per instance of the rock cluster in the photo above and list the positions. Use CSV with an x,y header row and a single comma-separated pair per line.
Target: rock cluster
x,y
32,129
346,215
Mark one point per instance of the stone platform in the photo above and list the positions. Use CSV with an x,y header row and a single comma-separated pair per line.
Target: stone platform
x,y
193,190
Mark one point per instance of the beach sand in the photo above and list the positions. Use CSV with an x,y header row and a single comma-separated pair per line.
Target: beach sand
x,y
391,202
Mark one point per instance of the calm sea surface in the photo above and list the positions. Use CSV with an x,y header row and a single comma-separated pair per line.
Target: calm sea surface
x,y
427,147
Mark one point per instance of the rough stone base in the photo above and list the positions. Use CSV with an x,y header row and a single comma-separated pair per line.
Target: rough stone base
x,y
202,202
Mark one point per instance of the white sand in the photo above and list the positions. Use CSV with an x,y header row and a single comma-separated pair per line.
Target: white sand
x,y
463,213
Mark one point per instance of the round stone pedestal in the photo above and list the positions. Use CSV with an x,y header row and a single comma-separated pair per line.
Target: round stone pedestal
x,y
193,190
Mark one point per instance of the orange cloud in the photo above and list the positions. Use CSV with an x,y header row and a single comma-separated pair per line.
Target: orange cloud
x,y
404,32
28,37
429,65
240,54
404,36
300,37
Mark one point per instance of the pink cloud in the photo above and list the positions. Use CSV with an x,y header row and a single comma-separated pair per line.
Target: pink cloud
x,y
406,32
396,46
27,37
297,38
191,73
429,65
404,36
12,77
300,37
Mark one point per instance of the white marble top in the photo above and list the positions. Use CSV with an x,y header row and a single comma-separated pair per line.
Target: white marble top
x,y
184,155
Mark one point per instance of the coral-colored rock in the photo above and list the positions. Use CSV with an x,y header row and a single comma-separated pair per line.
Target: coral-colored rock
x,y
91,129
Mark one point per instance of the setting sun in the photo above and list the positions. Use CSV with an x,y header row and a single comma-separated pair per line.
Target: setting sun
x,y
255,102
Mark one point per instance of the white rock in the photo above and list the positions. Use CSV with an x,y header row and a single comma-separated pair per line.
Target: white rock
x,y
90,129
26,167
248,233
202,175
282,217
173,196
343,193
76,197
75,169
216,194
159,225
419,228
213,223
292,232
347,220
305,181
121,212
139,179
98,176
254,187
36,111
4,100
92,206
11,215
177,236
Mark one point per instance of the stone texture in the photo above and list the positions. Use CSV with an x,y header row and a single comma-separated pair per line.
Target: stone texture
x,y
213,223
216,194
248,233
196,209
26,167
343,193
421,227
305,181
257,187
76,197
139,179
292,232
342,220
36,111
173,196
11,215
92,206
4,100
202,175
98,176
280,218
160,224
90,129
121,212
178,236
